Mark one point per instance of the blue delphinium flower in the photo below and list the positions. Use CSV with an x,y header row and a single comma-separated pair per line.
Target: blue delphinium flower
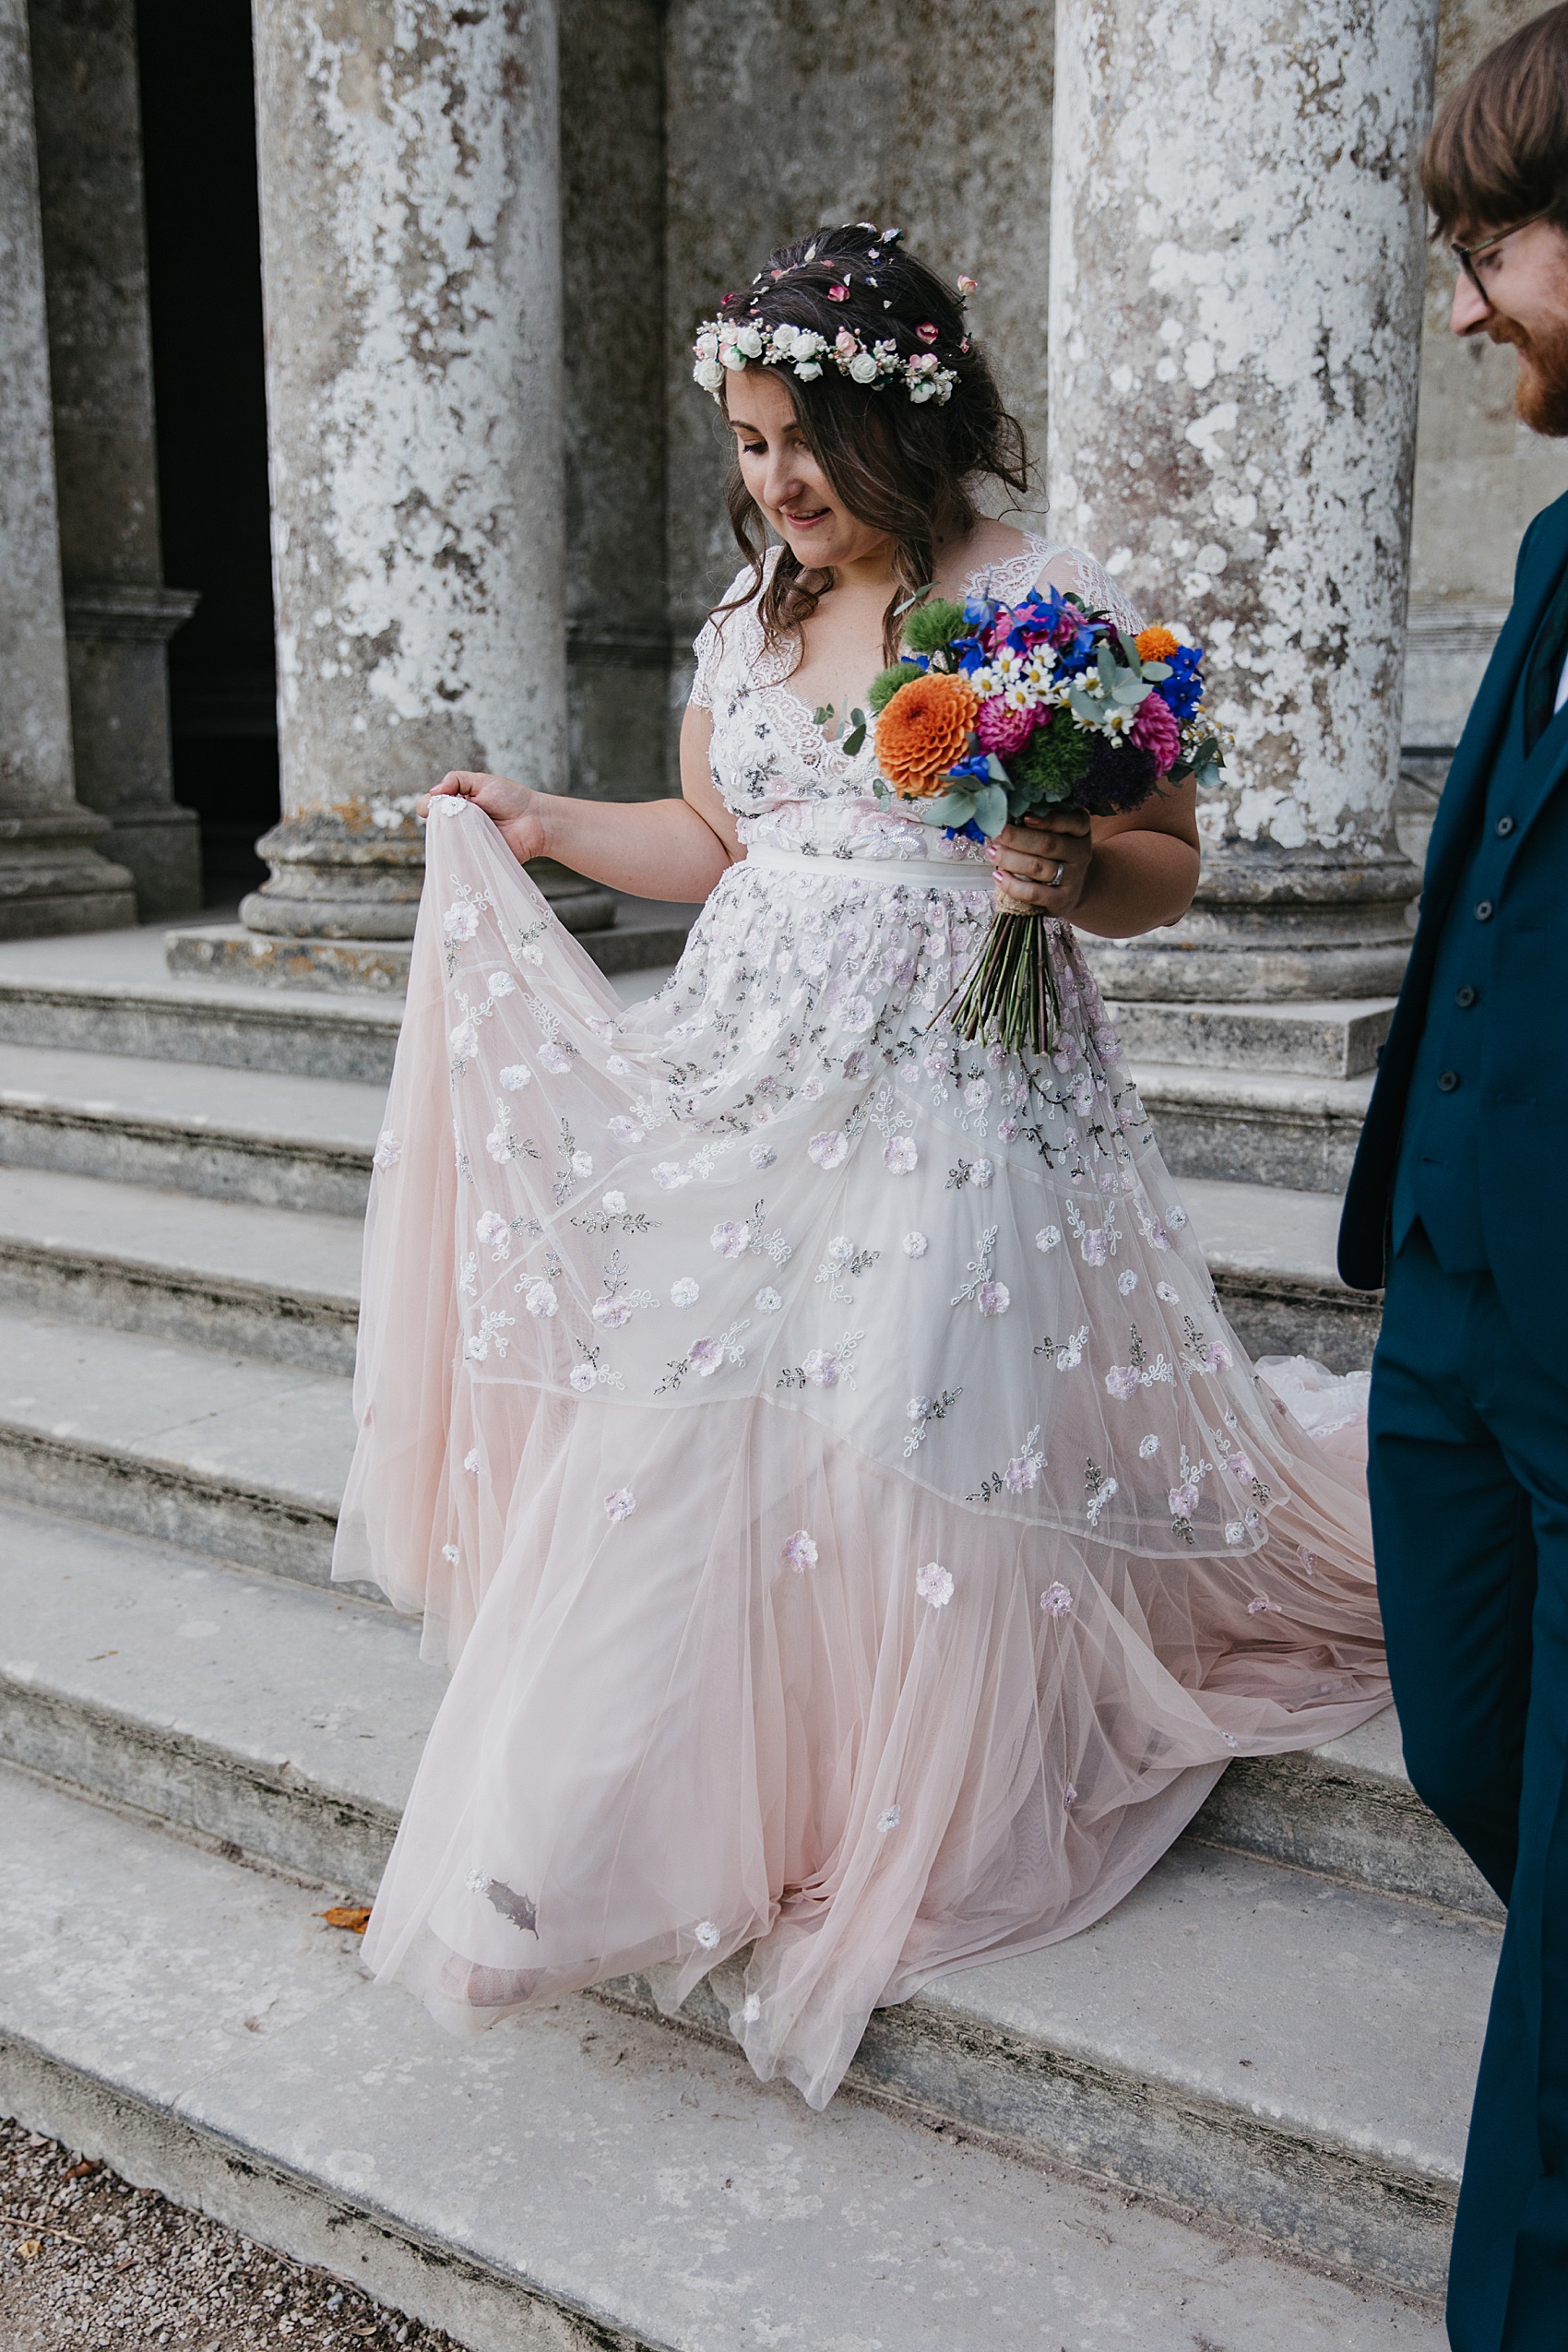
x,y
1183,689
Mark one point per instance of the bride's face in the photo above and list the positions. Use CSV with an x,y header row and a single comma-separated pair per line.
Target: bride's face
x,y
788,483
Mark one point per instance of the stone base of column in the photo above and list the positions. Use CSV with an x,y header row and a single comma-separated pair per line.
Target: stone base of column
x,y
52,879
117,638
339,907
162,848
1270,927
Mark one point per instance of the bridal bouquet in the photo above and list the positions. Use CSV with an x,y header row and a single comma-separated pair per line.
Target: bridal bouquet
x,y
993,710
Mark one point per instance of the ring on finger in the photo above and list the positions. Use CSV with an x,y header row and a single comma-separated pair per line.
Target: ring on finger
x,y
1057,879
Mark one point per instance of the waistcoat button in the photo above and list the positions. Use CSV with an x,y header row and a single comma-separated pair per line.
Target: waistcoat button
x,y
1448,1081
1464,996
1505,828
1483,912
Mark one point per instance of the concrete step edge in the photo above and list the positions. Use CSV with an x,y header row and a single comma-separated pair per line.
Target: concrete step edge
x,y
284,1322
276,1171
136,1492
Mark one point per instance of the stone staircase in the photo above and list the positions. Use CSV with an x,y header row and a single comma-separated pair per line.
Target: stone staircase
x,y
1231,2116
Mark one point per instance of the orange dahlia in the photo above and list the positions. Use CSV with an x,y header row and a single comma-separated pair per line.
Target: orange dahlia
x,y
923,730
1155,645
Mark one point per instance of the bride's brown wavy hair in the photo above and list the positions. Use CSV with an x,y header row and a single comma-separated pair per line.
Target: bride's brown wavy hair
x,y
905,468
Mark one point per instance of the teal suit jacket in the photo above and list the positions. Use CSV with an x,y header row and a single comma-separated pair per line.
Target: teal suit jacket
x,y
1524,1015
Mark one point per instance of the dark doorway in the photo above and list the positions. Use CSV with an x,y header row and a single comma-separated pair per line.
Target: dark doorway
x,y
203,251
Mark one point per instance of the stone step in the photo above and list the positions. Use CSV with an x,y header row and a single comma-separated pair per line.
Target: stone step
x,y
233,1456
1180,2046
1261,1126
278,1283
601,2182
1325,1041
232,1134
1272,1256
250,959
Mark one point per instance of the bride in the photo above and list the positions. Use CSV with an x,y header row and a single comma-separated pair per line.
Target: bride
x,y
815,1442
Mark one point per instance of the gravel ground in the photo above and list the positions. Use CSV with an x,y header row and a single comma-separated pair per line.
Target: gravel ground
x,y
87,2261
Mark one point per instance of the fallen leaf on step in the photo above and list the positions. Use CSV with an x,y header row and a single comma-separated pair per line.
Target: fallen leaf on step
x,y
354,1917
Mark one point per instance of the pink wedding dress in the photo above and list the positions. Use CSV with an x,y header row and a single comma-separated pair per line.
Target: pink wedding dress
x,y
816,1443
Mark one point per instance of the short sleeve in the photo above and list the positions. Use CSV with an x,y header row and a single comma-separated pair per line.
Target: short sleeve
x,y
1075,570
708,645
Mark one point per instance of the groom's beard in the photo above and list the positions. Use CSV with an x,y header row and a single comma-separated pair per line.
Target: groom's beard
x,y
1540,394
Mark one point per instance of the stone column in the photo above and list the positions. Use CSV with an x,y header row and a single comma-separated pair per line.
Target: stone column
x,y
52,878
1235,324
411,256
119,616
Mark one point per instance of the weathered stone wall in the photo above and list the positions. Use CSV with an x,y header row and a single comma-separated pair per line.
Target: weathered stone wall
x,y
787,114
612,271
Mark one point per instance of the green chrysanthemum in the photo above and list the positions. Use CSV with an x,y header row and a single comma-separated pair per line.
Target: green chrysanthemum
x,y
886,683
932,626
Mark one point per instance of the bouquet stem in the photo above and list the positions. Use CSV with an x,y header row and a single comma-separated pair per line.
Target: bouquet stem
x,y
1009,998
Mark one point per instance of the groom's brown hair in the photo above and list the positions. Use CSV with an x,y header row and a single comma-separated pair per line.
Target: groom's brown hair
x,y
1498,149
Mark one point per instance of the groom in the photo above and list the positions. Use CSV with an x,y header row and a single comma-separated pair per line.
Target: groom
x,y
1456,1202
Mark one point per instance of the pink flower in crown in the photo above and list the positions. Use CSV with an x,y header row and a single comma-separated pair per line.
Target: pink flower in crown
x,y
1002,731
1154,729
845,344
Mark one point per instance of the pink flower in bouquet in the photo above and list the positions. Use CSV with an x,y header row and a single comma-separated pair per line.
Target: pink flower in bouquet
x,y
1002,731
1154,728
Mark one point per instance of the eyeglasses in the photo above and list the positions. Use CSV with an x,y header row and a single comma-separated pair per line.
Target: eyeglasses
x,y
1467,256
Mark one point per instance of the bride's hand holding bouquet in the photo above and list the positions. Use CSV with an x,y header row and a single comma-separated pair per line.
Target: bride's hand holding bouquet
x,y
1016,725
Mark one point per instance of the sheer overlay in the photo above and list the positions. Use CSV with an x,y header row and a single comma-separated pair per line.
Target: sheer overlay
x,y
816,1443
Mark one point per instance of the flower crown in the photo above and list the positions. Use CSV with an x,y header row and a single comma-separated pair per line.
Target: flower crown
x,y
731,343
725,343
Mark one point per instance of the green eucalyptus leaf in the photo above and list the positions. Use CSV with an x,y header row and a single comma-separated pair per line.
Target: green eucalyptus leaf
x,y
820,718
1155,671
991,809
953,807
854,741
1131,689
995,770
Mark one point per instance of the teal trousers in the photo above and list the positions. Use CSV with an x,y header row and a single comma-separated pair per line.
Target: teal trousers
x,y
1468,1476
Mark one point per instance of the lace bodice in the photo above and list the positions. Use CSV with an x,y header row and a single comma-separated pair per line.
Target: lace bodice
x,y
778,773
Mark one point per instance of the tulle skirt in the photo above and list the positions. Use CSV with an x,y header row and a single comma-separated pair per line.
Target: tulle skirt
x,y
858,1538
